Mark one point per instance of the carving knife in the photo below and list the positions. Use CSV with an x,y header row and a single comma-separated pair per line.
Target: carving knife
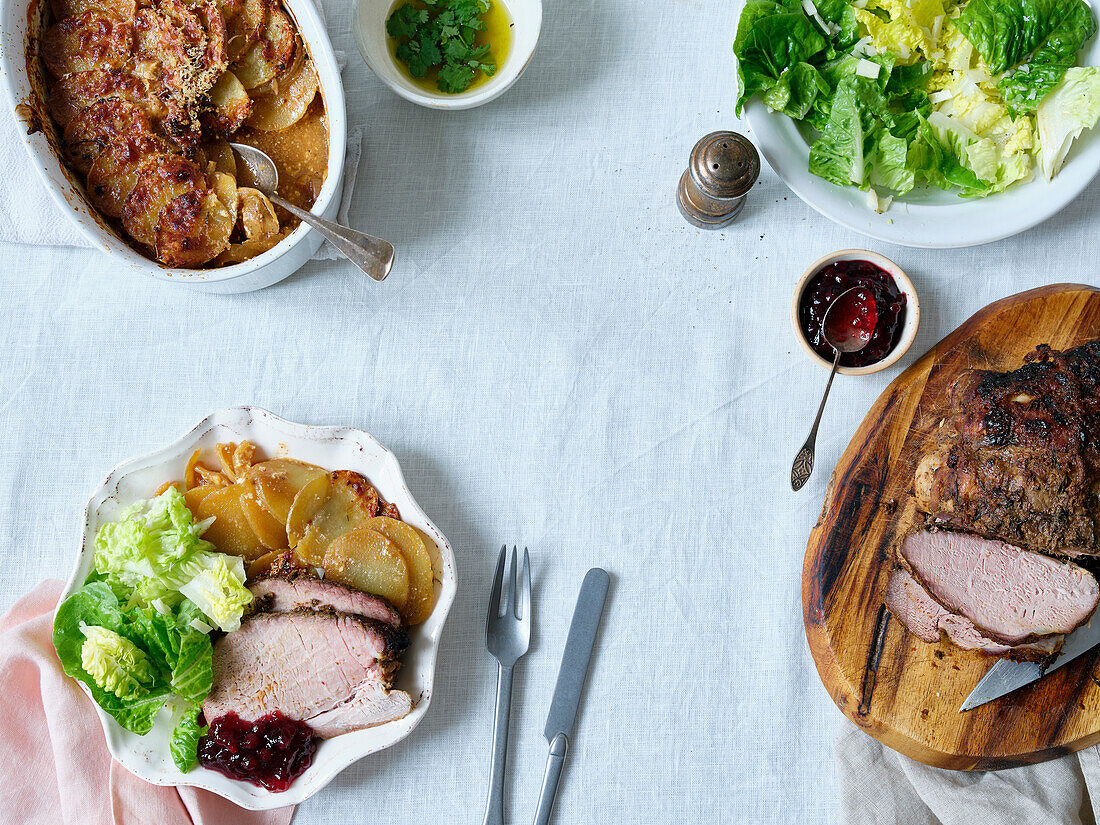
x,y
567,692
1005,676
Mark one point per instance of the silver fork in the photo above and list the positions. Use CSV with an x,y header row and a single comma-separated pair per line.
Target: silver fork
x,y
507,635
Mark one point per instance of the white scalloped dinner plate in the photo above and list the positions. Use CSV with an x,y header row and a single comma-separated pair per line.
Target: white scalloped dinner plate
x,y
335,448
927,217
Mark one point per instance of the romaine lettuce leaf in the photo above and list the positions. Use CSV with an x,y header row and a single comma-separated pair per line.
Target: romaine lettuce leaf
x,y
772,37
1036,39
155,548
185,738
115,663
1071,107
96,604
796,91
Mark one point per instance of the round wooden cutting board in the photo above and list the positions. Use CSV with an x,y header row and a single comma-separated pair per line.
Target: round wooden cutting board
x,y
902,691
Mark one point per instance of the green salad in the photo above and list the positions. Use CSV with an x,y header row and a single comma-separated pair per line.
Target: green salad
x,y
971,96
137,633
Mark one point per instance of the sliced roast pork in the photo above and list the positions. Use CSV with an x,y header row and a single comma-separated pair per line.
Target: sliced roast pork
x,y
1010,595
328,669
928,619
283,594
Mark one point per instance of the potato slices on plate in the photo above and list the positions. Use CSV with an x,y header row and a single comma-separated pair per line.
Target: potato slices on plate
x,y
334,522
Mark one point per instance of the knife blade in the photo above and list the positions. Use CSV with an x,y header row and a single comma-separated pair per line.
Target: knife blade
x,y
578,652
567,693
1005,676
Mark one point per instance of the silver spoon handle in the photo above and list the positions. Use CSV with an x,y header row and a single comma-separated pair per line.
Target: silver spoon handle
x,y
804,462
372,255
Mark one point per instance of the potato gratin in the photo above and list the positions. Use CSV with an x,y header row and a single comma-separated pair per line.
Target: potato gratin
x,y
145,94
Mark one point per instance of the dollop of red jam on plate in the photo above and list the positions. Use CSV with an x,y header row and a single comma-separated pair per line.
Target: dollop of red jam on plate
x,y
824,288
271,752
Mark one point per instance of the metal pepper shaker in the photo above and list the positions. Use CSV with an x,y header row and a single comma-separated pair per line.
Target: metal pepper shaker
x,y
721,171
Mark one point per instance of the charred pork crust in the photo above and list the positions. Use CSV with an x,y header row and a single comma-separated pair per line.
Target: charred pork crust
x,y
1018,459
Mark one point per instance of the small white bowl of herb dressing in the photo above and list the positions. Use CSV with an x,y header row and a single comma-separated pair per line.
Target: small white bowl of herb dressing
x,y
512,33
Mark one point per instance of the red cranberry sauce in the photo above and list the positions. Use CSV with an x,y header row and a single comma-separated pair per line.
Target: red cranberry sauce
x,y
824,287
271,752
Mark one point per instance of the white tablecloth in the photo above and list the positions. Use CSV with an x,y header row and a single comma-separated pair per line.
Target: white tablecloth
x,y
559,361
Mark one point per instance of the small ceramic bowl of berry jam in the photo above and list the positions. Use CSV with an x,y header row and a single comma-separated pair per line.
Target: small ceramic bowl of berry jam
x,y
883,285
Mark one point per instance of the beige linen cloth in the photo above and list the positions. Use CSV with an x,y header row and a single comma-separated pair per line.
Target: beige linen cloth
x,y
881,787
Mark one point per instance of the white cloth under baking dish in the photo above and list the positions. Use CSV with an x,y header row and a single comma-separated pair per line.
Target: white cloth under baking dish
x,y
881,787
29,215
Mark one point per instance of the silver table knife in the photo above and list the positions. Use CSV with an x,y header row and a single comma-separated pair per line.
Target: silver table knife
x,y
1005,676
567,693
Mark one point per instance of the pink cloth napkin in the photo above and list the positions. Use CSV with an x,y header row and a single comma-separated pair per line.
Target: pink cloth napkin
x,y
54,765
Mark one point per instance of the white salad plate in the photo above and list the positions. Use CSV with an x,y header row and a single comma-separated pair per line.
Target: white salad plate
x,y
334,448
927,217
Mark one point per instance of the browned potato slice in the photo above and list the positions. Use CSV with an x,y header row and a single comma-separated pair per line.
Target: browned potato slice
x,y
351,502
114,173
161,179
225,187
246,250
189,476
187,39
101,124
80,90
230,106
287,101
195,495
366,560
269,55
224,452
245,19
231,533
243,457
305,507
270,531
220,153
193,229
278,482
256,214
123,9
421,577
89,40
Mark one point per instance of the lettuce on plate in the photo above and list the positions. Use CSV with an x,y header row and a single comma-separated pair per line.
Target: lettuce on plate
x,y
156,550
1033,42
1071,107
136,633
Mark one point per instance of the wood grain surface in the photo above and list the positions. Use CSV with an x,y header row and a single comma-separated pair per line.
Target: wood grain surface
x,y
905,692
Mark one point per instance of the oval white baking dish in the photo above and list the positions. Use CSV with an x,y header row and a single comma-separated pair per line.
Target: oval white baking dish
x,y
21,23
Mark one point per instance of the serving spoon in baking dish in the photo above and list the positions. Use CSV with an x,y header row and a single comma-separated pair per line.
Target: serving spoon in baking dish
x,y
372,255
848,325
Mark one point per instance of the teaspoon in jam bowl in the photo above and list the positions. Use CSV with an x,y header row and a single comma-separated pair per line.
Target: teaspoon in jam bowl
x,y
847,327
372,255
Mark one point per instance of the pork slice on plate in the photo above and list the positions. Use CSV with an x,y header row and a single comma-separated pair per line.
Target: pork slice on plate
x,y
306,663
928,620
1011,595
282,594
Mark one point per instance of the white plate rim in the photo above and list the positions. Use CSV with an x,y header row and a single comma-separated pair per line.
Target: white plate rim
x,y
333,755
